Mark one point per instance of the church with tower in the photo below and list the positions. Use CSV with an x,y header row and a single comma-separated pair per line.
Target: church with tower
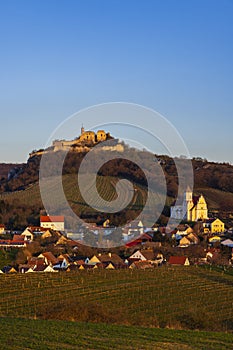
x,y
193,208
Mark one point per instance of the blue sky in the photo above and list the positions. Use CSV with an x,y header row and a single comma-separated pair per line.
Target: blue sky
x,y
60,56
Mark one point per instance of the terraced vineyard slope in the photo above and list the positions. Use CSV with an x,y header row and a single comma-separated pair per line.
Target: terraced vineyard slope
x,y
31,198
183,297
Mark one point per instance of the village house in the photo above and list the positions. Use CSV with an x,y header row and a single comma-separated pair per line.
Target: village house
x,y
179,260
46,234
104,259
143,239
19,238
41,268
74,267
147,255
134,228
188,240
142,255
64,261
110,266
49,258
213,226
46,262
28,235
182,230
211,254
49,269
184,242
113,259
8,269
53,222
214,239
92,261
17,242
141,265
33,264
227,243
2,229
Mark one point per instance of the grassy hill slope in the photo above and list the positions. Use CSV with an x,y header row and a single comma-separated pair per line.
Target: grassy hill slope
x,y
20,334
217,199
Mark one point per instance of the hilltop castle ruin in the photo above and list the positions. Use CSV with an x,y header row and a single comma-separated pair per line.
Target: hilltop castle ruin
x,y
83,143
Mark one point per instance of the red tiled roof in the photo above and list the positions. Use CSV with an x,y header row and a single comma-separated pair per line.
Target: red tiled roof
x,y
139,240
72,243
80,262
34,261
107,258
10,242
133,243
50,257
45,218
148,254
177,260
18,238
142,265
40,268
146,236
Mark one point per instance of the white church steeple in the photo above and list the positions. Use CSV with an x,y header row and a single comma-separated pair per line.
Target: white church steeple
x,y
192,209
188,195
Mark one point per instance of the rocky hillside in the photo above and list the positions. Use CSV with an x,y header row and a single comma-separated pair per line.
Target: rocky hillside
x,y
8,169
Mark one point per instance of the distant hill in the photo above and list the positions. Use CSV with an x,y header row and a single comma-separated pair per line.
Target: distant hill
x,y
21,202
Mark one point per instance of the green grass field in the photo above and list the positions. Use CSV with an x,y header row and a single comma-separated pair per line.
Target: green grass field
x,y
179,297
17,334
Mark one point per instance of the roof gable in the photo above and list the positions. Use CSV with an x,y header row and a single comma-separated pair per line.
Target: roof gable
x,y
52,218
137,255
94,259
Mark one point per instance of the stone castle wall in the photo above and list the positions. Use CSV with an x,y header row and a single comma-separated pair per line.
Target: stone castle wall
x,y
83,143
